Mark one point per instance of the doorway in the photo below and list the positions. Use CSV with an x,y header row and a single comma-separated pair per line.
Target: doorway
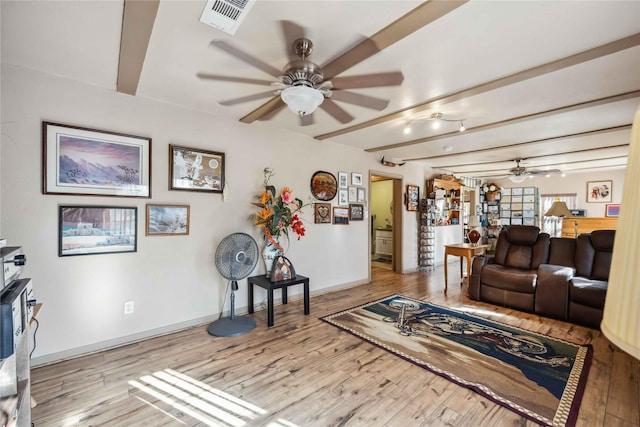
x,y
385,215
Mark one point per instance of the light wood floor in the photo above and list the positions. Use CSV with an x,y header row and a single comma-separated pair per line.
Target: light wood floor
x,y
306,372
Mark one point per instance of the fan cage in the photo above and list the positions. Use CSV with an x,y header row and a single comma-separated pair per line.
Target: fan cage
x,y
236,256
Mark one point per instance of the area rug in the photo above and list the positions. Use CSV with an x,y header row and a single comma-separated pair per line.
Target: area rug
x,y
537,376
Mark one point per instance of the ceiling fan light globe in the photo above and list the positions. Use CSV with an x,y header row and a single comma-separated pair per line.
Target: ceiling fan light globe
x,y
302,100
517,178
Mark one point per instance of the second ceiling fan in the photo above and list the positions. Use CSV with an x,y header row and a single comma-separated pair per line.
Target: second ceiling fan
x,y
520,173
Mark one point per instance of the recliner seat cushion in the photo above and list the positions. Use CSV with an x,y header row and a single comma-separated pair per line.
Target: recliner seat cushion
x,y
509,279
588,292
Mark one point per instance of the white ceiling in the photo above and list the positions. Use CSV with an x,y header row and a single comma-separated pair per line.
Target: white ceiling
x,y
559,117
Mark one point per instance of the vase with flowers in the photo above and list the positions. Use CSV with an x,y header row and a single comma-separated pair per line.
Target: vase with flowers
x,y
490,191
278,216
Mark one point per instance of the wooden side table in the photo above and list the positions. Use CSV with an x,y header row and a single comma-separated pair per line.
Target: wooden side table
x,y
466,250
267,284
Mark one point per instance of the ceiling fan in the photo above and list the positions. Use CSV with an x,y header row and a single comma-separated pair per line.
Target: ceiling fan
x,y
303,86
520,173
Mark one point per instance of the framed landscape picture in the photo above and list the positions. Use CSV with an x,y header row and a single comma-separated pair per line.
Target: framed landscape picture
x,y
340,215
192,169
599,191
92,230
167,220
88,162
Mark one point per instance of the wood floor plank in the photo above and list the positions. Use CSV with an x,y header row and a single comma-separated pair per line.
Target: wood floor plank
x,y
309,373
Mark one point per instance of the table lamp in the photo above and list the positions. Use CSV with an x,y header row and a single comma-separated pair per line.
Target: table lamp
x,y
473,235
559,209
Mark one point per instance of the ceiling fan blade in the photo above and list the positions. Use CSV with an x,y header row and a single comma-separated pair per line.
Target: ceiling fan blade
x,y
359,99
218,77
247,98
291,32
263,111
393,78
336,111
543,172
419,17
307,120
245,57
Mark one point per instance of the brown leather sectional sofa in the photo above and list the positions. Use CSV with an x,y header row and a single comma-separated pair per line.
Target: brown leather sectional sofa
x,y
562,278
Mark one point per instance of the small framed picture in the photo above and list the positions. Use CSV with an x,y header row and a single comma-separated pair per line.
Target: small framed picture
x,y
412,197
353,194
599,191
340,215
356,178
613,210
167,220
343,197
362,195
92,230
356,212
343,179
192,169
322,213
89,162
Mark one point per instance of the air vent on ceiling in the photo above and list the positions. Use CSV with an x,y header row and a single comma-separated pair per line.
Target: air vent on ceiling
x,y
226,15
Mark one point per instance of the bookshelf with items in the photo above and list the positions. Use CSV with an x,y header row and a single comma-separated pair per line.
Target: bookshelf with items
x,y
491,224
448,200
427,239
519,206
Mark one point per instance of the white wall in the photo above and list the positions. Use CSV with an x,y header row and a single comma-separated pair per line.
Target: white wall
x,y
172,280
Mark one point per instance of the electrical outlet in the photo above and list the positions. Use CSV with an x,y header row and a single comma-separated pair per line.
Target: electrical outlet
x,y
128,307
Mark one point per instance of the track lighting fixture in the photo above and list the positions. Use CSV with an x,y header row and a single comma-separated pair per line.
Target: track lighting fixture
x,y
437,119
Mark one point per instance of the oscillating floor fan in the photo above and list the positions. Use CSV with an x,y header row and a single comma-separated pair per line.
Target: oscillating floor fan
x,y
236,257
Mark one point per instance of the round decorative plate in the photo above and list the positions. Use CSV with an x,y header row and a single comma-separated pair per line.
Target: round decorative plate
x,y
324,185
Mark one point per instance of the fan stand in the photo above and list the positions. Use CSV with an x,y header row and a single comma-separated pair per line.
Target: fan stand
x,y
233,326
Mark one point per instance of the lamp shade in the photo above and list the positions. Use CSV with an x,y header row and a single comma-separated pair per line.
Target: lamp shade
x,y
558,208
517,178
473,222
302,100
622,303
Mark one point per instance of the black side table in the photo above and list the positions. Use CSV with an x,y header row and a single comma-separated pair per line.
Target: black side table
x,y
267,284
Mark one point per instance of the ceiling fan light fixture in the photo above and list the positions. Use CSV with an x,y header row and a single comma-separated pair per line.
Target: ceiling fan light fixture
x,y
302,100
517,178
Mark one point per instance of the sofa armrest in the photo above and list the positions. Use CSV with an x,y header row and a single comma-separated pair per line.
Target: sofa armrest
x,y
552,291
474,281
